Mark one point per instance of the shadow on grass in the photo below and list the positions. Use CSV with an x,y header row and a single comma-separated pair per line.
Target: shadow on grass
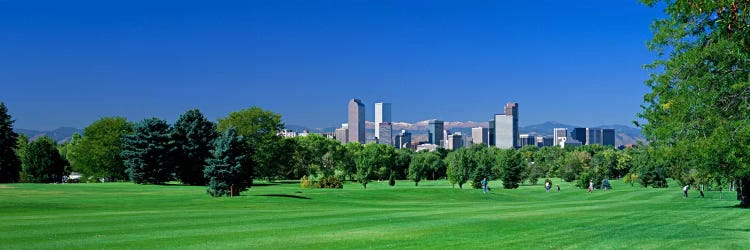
x,y
265,184
728,207
285,195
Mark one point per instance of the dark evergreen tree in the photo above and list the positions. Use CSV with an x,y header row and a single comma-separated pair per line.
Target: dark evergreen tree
x,y
229,168
43,162
193,136
10,165
148,153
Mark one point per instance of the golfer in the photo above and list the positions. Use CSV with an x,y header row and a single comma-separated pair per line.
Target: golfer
x,y
484,184
684,191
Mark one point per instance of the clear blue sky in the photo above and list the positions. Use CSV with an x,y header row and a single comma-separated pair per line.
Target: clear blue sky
x,y
68,63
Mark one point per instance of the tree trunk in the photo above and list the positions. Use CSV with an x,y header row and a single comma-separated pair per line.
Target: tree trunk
x,y
744,192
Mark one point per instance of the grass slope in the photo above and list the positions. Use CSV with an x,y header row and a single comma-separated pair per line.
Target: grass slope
x,y
433,215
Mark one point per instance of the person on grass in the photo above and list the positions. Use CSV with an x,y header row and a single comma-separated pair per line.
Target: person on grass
x,y
685,190
591,186
484,184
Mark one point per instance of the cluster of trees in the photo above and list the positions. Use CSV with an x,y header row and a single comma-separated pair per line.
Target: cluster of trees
x,y
245,145
697,110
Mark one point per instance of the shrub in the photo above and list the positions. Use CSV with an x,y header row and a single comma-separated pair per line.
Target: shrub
x,y
330,182
306,183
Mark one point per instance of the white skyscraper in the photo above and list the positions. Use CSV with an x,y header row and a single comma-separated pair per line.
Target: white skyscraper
x,y
382,114
506,127
559,135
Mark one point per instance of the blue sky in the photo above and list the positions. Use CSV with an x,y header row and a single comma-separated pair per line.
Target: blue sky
x,y
69,63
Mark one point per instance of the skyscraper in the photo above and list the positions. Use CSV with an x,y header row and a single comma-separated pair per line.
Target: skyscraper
x,y
386,133
403,140
559,135
356,121
491,133
480,135
382,114
579,134
454,141
593,136
526,140
436,132
342,135
506,127
544,141
608,137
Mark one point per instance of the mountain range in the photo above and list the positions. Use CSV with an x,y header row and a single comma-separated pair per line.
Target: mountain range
x,y
623,134
60,135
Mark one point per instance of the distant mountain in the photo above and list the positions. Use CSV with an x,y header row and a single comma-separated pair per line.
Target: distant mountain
x,y
623,134
60,135
298,128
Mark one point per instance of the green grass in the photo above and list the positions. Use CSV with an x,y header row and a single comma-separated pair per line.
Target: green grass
x,y
433,215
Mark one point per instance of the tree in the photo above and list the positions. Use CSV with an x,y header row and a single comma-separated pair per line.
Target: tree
x,y
373,157
21,145
510,167
98,153
193,135
10,165
552,159
317,153
229,170
700,88
287,162
349,165
420,164
483,159
402,163
43,162
260,129
148,153
460,166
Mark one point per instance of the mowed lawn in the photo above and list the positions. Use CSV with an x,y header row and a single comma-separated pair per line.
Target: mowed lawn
x,y
433,215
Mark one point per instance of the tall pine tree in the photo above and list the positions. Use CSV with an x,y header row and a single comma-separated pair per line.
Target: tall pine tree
x,y
10,165
148,153
229,168
193,136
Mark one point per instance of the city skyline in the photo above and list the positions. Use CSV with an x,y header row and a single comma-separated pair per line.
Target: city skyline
x,y
70,64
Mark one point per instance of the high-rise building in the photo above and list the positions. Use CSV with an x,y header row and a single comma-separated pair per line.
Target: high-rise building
x,y
342,135
608,137
403,140
593,136
491,133
356,121
386,133
454,141
569,142
480,135
559,135
382,114
544,141
579,134
436,132
445,137
506,127
526,140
